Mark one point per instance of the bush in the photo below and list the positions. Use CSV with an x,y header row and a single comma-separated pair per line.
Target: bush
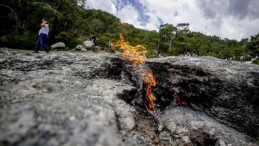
x,y
104,41
256,62
67,38
173,51
24,41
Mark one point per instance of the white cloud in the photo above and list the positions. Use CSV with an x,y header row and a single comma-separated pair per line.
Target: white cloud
x,y
105,5
206,16
238,29
129,14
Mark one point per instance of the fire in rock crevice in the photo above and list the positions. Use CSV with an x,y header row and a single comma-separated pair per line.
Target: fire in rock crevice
x,y
144,76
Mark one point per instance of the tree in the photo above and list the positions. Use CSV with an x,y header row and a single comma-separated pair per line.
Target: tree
x,y
254,44
169,33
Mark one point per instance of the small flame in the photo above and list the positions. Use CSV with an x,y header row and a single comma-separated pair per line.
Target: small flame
x,y
180,100
137,56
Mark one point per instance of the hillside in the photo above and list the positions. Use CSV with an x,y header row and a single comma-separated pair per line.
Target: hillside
x,y
72,25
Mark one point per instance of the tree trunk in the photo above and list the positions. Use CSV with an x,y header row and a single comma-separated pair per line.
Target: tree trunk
x,y
170,44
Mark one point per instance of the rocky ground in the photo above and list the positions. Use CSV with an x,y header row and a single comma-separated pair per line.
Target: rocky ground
x,y
74,98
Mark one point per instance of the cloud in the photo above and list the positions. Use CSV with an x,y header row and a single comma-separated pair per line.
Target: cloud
x,y
239,8
210,8
254,9
238,29
233,19
130,15
142,9
105,5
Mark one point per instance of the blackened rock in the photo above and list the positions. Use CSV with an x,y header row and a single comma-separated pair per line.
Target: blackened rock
x,y
228,90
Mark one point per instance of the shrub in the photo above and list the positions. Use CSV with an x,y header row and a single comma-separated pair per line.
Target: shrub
x,y
256,62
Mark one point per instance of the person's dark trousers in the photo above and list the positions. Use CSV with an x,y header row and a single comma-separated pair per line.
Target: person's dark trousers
x,y
41,42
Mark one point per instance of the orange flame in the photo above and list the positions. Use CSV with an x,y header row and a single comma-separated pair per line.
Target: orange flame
x,y
137,56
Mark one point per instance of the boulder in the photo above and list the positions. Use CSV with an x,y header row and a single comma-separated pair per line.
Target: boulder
x,y
84,49
58,45
79,48
88,44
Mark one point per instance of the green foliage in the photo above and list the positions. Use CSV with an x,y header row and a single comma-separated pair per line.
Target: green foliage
x,y
67,39
256,62
104,40
254,44
174,51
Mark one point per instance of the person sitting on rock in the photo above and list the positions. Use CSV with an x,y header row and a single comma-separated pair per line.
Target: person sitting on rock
x,y
43,36
93,39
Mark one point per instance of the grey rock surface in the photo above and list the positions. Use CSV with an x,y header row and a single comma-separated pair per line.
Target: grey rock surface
x,y
52,100
196,128
85,98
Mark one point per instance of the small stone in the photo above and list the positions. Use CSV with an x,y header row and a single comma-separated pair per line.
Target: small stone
x,y
186,139
72,118
170,125
222,143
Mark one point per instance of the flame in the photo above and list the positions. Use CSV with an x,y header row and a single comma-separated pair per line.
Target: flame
x,y
137,56
180,100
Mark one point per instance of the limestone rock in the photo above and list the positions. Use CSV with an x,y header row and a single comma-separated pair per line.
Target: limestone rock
x,y
84,50
79,47
88,44
228,90
71,98
58,45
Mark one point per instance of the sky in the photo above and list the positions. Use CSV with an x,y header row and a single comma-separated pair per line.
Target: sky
x,y
232,19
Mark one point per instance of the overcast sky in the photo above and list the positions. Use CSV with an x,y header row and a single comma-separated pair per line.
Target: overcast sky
x,y
233,19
